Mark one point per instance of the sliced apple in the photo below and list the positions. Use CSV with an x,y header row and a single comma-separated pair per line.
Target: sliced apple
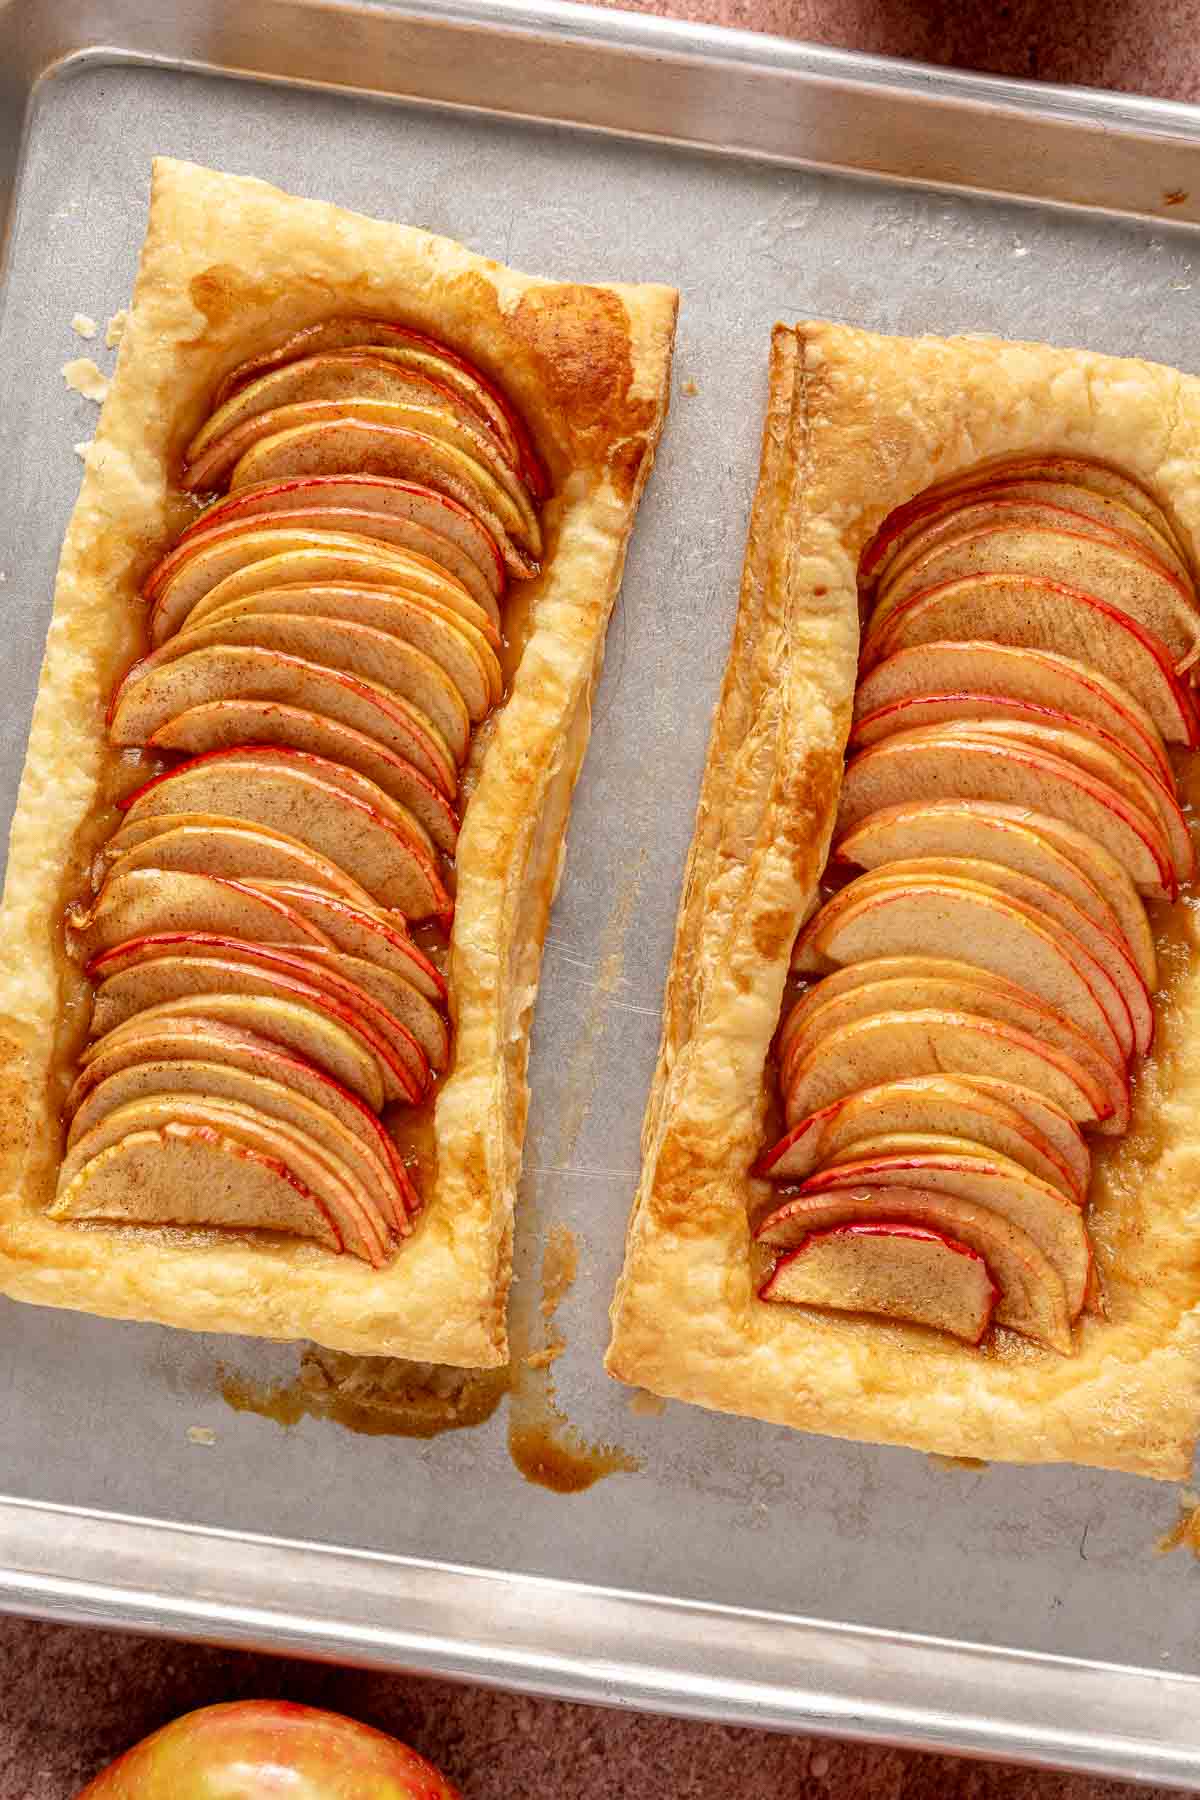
x,y
206,844
358,1224
940,1143
1032,1297
903,526
1025,613
903,1272
148,699
861,990
335,446
373,935
915,767
894,1046
404,505
1123,577
273,1099
395,992
1078,471
154,899
231,725
171,1034
411,349
191,1175
457,646
1030,843
934,917
290,797
178,961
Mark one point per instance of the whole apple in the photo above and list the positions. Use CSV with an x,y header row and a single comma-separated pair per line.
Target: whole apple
x,y
255,1749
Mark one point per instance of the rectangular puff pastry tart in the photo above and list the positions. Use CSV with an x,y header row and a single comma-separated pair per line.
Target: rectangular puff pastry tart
x,y
317,687
921,1163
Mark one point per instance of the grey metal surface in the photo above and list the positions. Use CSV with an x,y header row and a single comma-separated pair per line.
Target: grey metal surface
x,y
725,1513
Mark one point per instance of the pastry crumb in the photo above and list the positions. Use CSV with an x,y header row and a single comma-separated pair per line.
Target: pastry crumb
x,y
647,1406
81,449
542,1359
201,1434
84,326
690,388
85,378
116,328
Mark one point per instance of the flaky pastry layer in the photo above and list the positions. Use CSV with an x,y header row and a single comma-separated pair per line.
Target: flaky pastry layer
x,y
231,267
856,425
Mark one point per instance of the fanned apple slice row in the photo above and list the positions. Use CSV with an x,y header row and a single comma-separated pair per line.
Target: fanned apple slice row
x,y
1122,578
172,1035
894,1271
198,980
386,860
1023,1126
335,446
273,1099
204,574
206,844
1027,613
451,641
192,1175
222,726
1030,843
149,699
1033,1300
906,523
399,997
288,1025
871,918
942,1143
891,1046
144,900
955,766
1077,471
414,350
401,506
377,937
358,1223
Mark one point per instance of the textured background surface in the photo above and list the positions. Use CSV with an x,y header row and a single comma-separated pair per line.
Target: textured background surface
x,y
70,1700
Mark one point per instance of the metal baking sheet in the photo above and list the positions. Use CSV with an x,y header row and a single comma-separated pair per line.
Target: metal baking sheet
x,y
744,1572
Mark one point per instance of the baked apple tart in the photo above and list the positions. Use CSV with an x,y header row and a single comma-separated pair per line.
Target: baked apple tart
x,y
920,1157
328,618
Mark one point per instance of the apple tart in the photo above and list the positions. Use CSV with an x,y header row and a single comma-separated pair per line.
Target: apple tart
x,y
920,1160
328,619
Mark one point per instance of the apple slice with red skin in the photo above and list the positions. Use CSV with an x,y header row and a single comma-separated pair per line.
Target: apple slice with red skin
x,y
1030,843
293,1026
343,375
400,997
1032,1297
375,936
173,1035
191,1175
1049,1217
148,699
223,726
403,504
1079,471
894,1271
341,446
872,918
1002,1001
390,531
225,1081
1106,949
908,768
1109,762
358,1224
457,646
900,529
205,844
889,1046
290,798
176,963
412,349
1122,578
931,1103
152,899
1026,613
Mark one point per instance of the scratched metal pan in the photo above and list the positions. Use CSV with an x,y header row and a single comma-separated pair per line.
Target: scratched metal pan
x,y
744,1572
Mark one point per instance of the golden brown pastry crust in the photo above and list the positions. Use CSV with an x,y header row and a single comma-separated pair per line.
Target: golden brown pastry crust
x,y
857,424
231,267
